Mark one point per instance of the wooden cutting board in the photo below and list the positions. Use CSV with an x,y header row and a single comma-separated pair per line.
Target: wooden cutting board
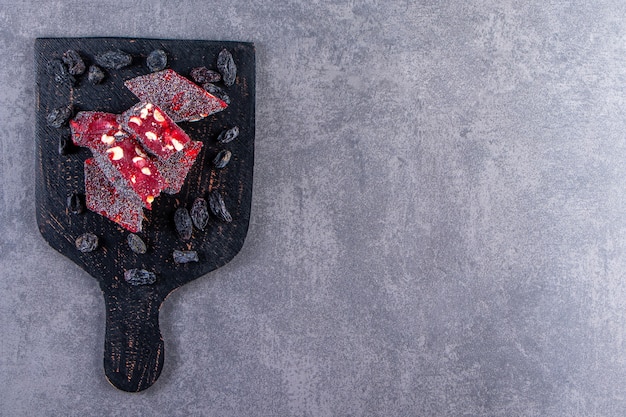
x,y
133,351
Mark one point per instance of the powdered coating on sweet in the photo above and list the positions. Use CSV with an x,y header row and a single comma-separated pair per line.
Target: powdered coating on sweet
x,y
175,169
136,169
119,155
180,98
156,131
103,198
96,130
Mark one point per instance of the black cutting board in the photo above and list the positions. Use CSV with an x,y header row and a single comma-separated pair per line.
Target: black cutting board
x,y
133,353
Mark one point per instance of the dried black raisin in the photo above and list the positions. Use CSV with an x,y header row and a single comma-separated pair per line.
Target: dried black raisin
x,y
75,203
216,202
59,116
183,224
217,92
222,159
57,69
66,146
87,242
200,213
136,244
202,75
95,75
228,135
114,59
157,60
185,256
139,277
226,66
75,64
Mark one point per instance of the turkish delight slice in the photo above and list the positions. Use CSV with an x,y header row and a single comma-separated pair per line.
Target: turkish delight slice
x,y
103,198
157,132
96,130
126,162
175,169
180,98
119,155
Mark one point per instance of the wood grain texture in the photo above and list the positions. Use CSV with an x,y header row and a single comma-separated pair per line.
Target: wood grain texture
x,y
133,343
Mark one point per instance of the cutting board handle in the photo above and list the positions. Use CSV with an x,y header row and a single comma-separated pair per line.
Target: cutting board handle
x,y
133,345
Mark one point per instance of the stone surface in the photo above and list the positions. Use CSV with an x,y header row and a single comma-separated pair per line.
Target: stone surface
x,y
438,222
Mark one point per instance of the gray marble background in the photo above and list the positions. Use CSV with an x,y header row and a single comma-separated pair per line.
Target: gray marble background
x,y
438,224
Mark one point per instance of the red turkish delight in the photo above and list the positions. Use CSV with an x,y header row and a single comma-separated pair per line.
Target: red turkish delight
x,y
175,169
180,98
136,169
158,133
103,198
119,155
96,130
142,152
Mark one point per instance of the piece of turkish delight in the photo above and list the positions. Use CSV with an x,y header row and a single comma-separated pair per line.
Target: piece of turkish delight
x,y
119,155
175,169
96,130
156,131
180,98
136,169
103,198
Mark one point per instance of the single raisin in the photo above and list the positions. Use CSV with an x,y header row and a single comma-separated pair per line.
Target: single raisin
x,y
76,203
226,66
139,277
75,64
217,92
114,59
87,242
222,159
157,60
216,203
228,135
59,116
185,256
199,213
95,74
59,72
183,223
202,75
136,244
